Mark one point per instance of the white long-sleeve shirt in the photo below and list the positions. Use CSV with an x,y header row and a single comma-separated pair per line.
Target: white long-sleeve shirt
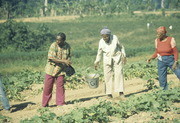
x,y
111,51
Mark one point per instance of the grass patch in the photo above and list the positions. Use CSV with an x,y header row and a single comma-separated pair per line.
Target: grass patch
x,y
83,34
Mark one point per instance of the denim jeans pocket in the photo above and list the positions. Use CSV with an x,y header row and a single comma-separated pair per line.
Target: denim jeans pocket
x,y
168,59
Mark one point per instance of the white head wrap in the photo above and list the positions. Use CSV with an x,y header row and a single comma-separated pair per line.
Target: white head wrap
x,y
105,31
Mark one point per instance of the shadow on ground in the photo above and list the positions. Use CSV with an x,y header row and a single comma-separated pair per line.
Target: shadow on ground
x,y
128,95
21,106
83,99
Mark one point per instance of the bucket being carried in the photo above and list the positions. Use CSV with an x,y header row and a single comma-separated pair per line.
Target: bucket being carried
x,y
93,80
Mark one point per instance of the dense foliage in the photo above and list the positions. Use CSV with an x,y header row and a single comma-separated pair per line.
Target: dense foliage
x,y
20,37
36,8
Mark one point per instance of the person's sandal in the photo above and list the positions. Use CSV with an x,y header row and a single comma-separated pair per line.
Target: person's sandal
x,y
8,110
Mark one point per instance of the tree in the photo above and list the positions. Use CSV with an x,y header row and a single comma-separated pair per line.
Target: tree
x,y
45,6
9,6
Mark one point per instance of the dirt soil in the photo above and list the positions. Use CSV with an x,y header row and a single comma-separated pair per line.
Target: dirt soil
x,y
83,97
73,17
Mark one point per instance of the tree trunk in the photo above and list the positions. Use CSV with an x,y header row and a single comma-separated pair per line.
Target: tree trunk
x,y
45,5
41,12
53,12
162,3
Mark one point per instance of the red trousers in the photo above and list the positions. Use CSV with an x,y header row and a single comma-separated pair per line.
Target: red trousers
x,y
48,87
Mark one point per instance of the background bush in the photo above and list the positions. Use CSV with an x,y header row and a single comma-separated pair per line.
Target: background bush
x,y
20,37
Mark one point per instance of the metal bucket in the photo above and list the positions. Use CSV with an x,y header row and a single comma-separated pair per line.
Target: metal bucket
x,y
93,80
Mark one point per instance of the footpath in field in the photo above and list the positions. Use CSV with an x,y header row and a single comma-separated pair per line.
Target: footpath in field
x,y
45,19
84,97
73,17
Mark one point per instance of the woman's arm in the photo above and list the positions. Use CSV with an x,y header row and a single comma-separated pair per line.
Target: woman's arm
x,y
174,48
98,56
175,52
67,62
155,53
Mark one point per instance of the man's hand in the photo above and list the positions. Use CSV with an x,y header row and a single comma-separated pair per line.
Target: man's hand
x,y
149,60
175,65
96,65
124,60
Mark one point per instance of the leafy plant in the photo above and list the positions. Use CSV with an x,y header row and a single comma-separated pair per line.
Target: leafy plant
x,y
152,102
18,82
19,36
150,84
45,116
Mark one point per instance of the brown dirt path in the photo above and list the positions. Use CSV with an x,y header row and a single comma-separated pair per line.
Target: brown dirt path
x,y
72,17
45,19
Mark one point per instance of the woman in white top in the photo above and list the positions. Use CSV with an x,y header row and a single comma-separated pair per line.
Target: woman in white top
x,y
114,57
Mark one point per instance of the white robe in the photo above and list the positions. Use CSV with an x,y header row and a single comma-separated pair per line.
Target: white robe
x,y
112,54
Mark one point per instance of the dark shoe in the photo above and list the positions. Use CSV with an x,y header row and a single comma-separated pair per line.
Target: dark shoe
x,y
109,96
121,93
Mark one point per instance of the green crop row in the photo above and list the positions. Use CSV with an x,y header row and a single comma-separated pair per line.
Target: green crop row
x,y
18,82
154,102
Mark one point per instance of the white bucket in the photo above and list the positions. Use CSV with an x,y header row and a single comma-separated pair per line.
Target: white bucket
x,y
93,80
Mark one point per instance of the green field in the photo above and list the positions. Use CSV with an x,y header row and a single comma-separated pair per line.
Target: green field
x,y
83,36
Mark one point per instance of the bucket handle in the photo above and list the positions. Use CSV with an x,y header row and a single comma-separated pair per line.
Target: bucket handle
x,y
95,75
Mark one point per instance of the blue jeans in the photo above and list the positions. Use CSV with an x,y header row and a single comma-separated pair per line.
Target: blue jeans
x,y
3,98
167,61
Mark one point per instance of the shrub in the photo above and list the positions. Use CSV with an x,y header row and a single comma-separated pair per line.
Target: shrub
x,y
18,36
